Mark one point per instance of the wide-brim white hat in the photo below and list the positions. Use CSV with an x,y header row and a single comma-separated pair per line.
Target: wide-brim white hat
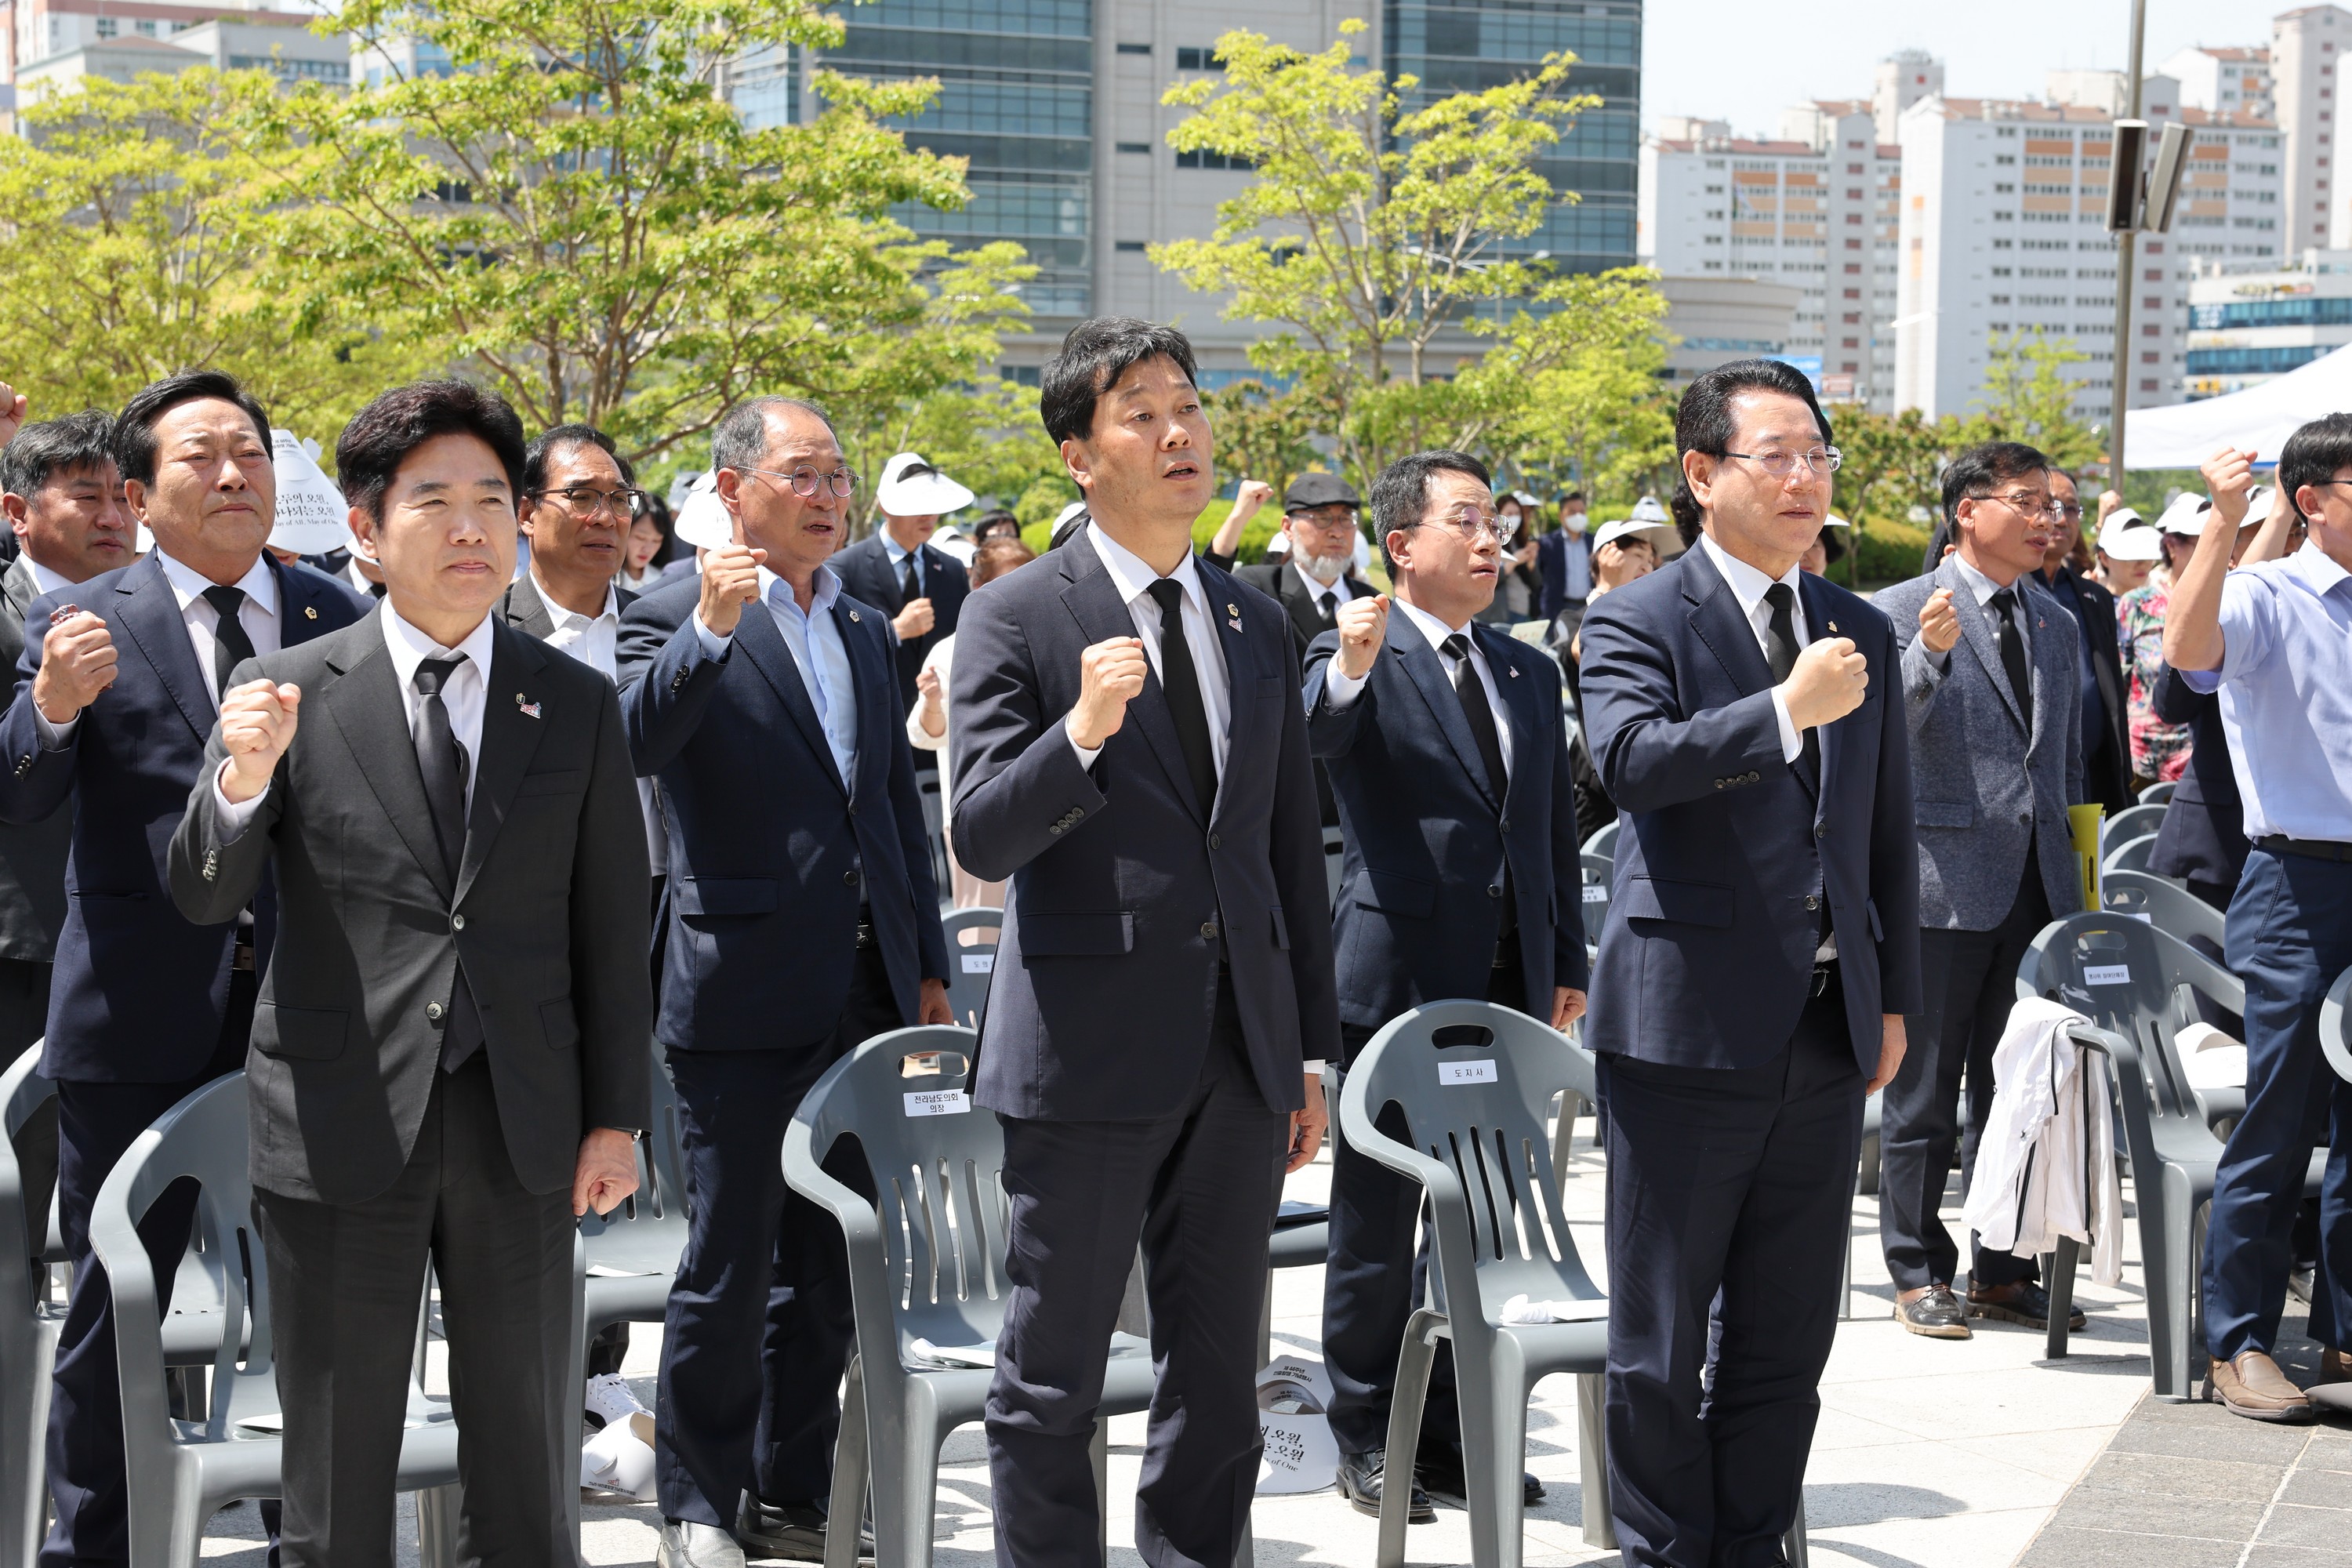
x,y
2126,536
702,519
913,488
1662,536
1834,520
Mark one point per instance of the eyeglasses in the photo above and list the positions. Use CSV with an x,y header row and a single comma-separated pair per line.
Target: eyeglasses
x,y
1819,461
2027,504
584,500
804,480
2072,510
1470,523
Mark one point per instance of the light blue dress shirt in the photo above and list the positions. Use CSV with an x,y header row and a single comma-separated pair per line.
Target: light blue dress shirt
x,y
818,652
2286,694
897,553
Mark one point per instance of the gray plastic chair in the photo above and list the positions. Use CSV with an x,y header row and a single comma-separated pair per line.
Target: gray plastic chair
x,y
29,1321
640,1242
929,1265
2166,904
2157,794
181,1472
927,785
2147,992
1604,841
2132,855
2132,822
1335,854
972,960
2335,1025
1598,868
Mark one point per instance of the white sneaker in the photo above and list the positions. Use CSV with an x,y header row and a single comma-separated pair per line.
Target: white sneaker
x,y
608,1398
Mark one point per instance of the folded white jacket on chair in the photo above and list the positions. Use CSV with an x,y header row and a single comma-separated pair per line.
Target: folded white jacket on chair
x,y
2046,1162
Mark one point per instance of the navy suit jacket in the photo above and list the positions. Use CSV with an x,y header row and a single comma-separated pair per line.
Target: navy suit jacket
x,y
1420,905
1551,567
2106,778
2203,838
866,576
771,850
1124,892
138,991
1728,852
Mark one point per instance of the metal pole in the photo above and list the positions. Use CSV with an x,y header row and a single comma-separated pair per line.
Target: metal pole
x,y
2126,262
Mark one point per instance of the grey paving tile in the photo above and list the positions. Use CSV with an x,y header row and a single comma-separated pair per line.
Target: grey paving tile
x,y
2310,1488
2060,1546
2158,1513
2174,1476
2329,1528
2295,1557
2226,1437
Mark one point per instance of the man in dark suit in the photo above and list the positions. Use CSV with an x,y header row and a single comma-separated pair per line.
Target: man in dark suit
x,y
1760,953
1564,565
2106,714
1447,750
1130,753
63,500
803,921
1997,747
448,1053
918,585
113,705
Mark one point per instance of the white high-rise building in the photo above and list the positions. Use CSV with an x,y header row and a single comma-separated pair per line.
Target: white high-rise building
x,y
1815,209
2317,204
2223,81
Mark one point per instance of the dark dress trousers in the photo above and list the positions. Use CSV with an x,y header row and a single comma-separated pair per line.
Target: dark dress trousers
x,y
1280,582
32,864
1420,918
1996,769
1164,969
1732,1064
2202,838
2106,724
802,919
868,577
145,1007
369,1159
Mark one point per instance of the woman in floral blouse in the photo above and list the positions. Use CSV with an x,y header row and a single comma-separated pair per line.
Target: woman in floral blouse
x,y
2159,751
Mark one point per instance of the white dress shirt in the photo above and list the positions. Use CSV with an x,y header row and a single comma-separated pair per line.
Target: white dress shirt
x,y
46,581
1340,690
464,693
1747,584
1134,576
1982,588
258,615
592,640
818,652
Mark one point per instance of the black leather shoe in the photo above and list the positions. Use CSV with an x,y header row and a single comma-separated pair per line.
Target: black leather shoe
x,y
1938,1315
794,1531
1362,1476
2025,1302
1440,1470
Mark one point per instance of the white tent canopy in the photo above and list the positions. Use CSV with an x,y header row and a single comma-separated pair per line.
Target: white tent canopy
x,y
2257,420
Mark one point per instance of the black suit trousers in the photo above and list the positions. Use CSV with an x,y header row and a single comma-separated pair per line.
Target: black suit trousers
x,y
750,1377
97,1124
346,1283
1970,980
1198,1188
1730,1202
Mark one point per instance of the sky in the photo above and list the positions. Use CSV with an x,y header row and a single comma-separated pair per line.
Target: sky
x,y
1732,60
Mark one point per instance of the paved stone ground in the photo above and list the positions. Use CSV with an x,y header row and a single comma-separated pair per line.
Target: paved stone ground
x,y
1931,1454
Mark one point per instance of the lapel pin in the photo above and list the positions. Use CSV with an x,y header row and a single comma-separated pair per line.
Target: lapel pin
x,y
1833,631
310,611
531,710
853,618
1235,611
1515,672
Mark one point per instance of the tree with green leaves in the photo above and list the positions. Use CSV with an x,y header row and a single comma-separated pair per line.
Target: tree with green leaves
x,y
2029,398
1376,240
1592,414
1266,433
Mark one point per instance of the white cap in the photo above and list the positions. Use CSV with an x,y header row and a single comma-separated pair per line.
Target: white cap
x,y
2258,504
1649,508
2184,516
1661,537
702,519
2125,536
912,487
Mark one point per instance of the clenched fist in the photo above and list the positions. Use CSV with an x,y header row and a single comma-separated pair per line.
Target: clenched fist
x,y
256,724
13,409
1362,624
1939,624
914,621
730,580
77,662
1251,495
2229,477
1111,675
1828,683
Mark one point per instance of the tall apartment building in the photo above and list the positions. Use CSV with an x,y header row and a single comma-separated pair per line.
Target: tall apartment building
x,y
2003,230
1057,102
2250,322
2306,45
2223,81
1815,209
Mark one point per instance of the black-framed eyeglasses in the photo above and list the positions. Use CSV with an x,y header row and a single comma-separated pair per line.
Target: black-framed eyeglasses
x,y
805,480
626,505
1819,461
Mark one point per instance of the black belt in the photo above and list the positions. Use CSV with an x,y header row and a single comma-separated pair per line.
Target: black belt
x,y
2315,848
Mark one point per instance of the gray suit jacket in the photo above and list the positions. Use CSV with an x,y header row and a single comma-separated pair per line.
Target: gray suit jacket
x,y
548,916
525,609
32,856
1988,779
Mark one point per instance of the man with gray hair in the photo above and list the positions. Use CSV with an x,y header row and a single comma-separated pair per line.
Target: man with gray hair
x,y
803,920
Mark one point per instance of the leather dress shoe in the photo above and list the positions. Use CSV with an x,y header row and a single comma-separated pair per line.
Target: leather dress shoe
x,y
2253,1385
1362,1476
2026,1302
1440,1470
1938,1315
794,1531
688,1545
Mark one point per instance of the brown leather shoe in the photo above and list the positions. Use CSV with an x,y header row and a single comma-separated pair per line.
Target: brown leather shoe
x,y
2253,1386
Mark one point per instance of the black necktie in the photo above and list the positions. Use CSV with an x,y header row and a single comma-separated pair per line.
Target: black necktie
x,y
1471,692
1181,682
910,590
1330,605
231,646
2013,650
1780,649
442,760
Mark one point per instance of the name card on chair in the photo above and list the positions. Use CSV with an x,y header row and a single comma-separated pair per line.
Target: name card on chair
x,y
977,962
1466,1072
939,1102
2107,974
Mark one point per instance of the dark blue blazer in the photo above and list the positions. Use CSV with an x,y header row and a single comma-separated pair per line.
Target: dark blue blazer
x,y
771,850
1420,903
1551,567
139,990
2203,838
1125,893
1707,957
866,574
